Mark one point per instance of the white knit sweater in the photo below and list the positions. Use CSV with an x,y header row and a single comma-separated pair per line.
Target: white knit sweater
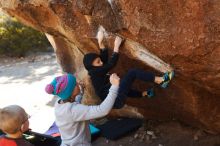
x,y
72,119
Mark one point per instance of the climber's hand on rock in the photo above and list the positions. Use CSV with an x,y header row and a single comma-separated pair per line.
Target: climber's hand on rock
x,y
118,41
100,38
114,79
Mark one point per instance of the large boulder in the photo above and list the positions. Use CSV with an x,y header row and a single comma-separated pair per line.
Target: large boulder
x,y
184,34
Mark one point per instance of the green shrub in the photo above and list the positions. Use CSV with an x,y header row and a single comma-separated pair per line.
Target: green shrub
x,y
17,39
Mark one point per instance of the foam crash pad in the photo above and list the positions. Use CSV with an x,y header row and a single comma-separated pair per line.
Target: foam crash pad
x,y
52,136
39,139
93,130
54,131
116,128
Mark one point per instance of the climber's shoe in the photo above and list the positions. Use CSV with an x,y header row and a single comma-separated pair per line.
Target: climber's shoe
x,y
150,93
168,76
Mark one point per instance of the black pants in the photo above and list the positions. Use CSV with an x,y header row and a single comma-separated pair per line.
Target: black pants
x,y
126,83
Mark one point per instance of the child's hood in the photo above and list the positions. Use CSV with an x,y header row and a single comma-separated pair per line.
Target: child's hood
x,y
88,59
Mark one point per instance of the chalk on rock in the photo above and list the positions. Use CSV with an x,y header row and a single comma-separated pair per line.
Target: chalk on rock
x,y
101,29
150,133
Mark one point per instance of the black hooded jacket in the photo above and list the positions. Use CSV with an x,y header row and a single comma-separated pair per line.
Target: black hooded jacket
x,y
99,75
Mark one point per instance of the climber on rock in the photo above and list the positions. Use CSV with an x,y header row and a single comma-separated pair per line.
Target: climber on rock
x,y
98,66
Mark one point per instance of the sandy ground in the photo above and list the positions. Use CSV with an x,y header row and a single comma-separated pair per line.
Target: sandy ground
x,y
22,82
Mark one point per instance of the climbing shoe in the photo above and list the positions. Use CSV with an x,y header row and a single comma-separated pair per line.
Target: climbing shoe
x,y
167,78
150,93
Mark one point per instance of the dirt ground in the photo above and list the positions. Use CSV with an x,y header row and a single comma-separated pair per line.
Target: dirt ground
x,y
170,133
22,81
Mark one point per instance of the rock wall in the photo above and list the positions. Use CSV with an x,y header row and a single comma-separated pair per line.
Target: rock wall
x,y
184,34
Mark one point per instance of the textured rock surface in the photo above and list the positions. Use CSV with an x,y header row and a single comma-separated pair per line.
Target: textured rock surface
x,y
183,33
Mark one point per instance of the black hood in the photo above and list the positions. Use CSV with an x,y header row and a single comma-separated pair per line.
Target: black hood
x,y
88,59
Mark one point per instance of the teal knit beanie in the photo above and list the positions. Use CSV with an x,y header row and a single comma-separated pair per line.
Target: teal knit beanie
x,y
62,86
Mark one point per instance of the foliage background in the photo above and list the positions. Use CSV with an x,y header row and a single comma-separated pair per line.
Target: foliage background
x,y
18,40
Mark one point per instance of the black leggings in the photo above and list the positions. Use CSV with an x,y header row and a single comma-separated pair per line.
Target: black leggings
x,y
126,83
